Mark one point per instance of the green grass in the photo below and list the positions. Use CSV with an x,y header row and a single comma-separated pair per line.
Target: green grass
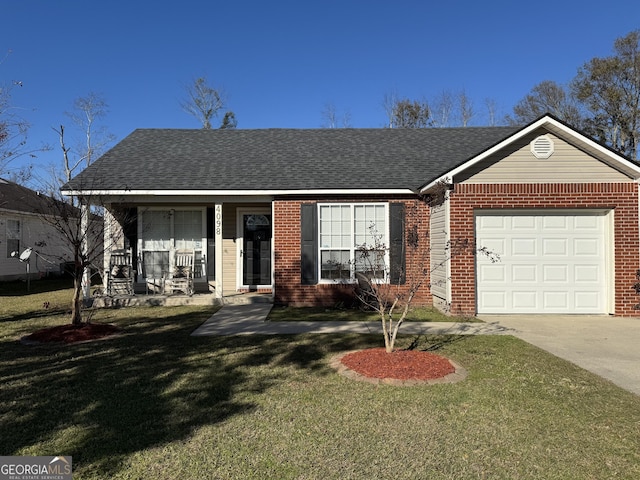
x,y
316,314
157,403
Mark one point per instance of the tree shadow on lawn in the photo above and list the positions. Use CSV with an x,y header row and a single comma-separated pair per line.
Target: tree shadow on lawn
x,y
103,400
154,384
35,313
19,287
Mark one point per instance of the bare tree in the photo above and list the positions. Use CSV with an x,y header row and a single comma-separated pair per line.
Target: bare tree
x,y
331,118
465,108
392,303
450,107
93,139
443,106
13,134
13,131
78,233
204,102
492,111
389,101
82,230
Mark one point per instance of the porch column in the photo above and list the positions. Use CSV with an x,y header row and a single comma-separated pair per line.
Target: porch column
x,y
106,237
217,232
84,229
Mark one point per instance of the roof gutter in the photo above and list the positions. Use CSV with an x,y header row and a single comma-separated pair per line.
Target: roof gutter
x,y
241,193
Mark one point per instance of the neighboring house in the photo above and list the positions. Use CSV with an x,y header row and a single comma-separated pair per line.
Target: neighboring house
x,y
22,226
284,211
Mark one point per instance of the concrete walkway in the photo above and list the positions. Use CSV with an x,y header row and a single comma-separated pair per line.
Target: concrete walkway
x,y
604,345
250,320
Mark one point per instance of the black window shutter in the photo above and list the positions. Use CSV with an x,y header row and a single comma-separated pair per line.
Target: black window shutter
x,y
210,222
309,244
397,257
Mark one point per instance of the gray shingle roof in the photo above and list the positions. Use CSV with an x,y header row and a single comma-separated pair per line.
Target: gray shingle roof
x,y
284,159
17,198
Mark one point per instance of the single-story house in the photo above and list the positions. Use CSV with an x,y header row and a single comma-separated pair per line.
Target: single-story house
x,y
535,219
23,227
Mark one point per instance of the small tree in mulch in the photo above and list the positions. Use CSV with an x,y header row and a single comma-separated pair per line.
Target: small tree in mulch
x,y
79,224
392,302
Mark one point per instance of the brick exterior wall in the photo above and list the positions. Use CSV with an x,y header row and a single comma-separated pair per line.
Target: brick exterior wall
x,y
287,268
622,198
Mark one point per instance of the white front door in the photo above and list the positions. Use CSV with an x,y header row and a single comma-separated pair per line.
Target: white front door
x,y
548,263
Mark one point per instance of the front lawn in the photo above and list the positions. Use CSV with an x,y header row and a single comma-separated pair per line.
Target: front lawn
x,y
416,314
157,403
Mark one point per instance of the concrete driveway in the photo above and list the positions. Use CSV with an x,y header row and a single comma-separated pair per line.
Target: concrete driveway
x,y
607,346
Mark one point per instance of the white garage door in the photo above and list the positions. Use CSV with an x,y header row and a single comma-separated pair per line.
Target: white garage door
x,y
548,263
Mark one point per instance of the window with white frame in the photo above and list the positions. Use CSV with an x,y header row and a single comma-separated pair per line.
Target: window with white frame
x,y
13,237
353,238
164,230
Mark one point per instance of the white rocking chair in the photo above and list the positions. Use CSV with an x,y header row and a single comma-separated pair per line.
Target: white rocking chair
x,y
180,277
120,273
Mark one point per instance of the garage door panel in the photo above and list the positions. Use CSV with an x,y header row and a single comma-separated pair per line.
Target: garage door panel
x,y
555,273
492,222
586,222
586,246
587,300
495,245
523,222
555,246
524,299
587,274
549,263
524,273
555,222
494,300
523,247
556,301
492,273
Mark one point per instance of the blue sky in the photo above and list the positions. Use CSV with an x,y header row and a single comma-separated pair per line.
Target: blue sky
x,y
281,62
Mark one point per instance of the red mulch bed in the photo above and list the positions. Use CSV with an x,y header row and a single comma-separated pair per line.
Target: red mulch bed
x,y
398,365
72,333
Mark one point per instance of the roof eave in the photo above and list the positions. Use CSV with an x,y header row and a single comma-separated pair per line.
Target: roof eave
x,y
247,193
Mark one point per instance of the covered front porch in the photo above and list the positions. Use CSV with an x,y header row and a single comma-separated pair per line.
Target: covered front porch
x,y
231,243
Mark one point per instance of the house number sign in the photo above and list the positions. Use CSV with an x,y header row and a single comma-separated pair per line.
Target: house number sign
x,y
218,219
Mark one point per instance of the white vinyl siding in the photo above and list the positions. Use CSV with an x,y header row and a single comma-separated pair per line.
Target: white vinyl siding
x,y
439,252
346,231
50,247
548,262
567,164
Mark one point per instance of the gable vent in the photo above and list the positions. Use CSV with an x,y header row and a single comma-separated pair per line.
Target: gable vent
x,y
542,147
